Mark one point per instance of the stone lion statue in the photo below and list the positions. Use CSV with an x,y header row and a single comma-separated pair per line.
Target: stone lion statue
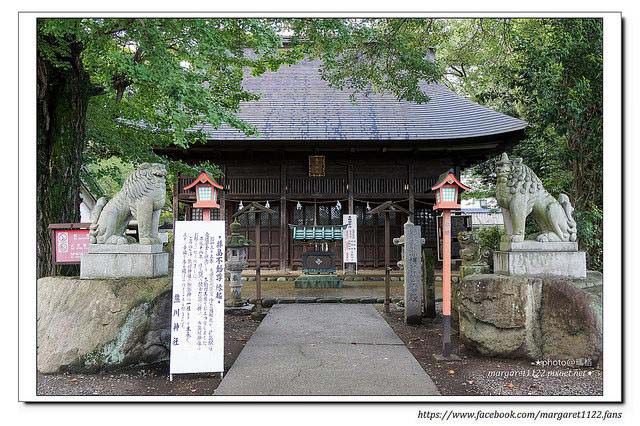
x,y
520,193
141,197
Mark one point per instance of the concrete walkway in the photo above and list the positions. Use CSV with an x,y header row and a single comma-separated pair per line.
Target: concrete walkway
x,y
325,349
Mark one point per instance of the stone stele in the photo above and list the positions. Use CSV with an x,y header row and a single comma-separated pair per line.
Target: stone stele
x,y
411,243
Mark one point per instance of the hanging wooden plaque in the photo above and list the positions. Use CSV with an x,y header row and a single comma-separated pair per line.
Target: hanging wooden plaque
x,y
316,165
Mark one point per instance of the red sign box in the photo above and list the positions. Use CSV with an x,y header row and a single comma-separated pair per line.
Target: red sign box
x,y
69,245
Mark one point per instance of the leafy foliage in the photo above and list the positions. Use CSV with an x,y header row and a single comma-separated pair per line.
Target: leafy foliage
x,y
371,55
110,175
549,73
489,236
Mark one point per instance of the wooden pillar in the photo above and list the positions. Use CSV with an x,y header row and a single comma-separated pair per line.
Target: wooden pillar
x,y
350,267
223,194
284,226
175,205
350,187
387,256
315,212
257,242
410,176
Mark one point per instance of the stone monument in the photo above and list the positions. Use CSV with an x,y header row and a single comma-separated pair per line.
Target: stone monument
x,y
554,252
112,253
411,243
237,246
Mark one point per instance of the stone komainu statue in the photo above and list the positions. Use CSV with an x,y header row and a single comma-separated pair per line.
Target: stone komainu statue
x,y
141,197
520,192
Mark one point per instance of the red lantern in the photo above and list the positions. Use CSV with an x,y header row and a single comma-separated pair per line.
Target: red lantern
x,y
447,188
206,194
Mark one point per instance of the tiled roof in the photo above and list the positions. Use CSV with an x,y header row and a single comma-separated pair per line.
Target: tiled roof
x,y
296,104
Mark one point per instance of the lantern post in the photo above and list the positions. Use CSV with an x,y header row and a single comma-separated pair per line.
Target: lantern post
x,y
448,189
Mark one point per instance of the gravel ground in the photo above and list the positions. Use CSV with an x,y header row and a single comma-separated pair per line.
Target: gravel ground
x,y
473,375
274,289
151,380
478,375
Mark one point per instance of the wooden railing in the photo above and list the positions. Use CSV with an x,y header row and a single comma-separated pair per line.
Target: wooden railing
x,y
423,184
270,186
258,185
380,186
317,186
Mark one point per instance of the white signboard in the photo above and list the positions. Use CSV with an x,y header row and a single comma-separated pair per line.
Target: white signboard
x,y
350,238
197,319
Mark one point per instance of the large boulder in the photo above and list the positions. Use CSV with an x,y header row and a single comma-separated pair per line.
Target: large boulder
x,y
86,325
571,322
532,317
494,313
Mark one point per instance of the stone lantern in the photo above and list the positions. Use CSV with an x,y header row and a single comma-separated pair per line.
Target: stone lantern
x,y
237,246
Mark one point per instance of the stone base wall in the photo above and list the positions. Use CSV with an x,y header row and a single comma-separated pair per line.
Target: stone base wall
x,y
532,317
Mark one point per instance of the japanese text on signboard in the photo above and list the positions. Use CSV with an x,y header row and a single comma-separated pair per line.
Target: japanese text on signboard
x,y
70,244
197,329
350,238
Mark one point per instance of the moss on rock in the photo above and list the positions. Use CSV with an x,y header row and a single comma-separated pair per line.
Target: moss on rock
x,y
97,324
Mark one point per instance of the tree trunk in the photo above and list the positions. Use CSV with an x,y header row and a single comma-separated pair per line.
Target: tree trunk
x,y
63,93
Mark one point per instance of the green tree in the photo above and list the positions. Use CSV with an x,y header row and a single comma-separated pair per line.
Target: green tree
x,y
549,73
118,87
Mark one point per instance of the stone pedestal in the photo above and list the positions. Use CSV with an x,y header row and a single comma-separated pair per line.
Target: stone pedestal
x,y
235,283
533,258
529,245
124,261
95,325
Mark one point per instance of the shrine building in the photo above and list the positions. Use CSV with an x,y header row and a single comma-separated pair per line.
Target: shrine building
x,y
319,155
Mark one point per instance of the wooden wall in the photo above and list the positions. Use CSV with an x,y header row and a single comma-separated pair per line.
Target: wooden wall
x,y
353,178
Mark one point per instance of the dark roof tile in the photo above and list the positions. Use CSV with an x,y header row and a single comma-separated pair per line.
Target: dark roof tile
x,y
296,103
